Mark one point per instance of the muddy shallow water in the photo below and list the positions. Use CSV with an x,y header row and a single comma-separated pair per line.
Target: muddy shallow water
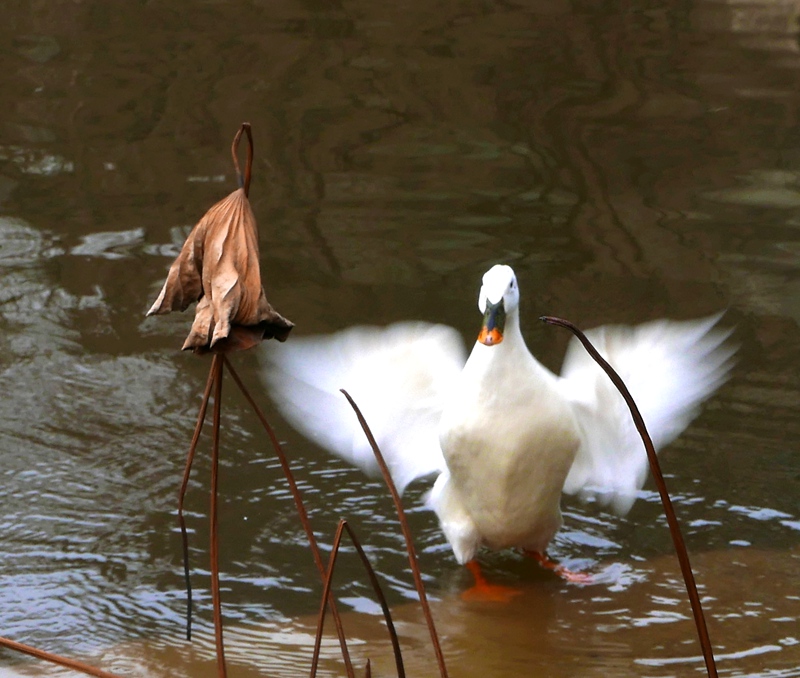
x,y
631,160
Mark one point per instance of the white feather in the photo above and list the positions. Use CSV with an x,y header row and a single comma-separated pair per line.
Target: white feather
x,y
399,376
669,369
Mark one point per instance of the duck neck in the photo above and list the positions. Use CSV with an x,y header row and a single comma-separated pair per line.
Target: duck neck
x,y
512,333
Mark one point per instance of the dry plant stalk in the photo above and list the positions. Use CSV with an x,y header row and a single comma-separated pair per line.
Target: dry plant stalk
x,y
218,267
301,512
401,516
655,468
376,587
73,664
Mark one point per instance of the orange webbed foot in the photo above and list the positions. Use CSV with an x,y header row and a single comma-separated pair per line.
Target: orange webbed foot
x,y
483,591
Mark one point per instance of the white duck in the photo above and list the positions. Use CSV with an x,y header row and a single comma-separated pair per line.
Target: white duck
x,y
504,434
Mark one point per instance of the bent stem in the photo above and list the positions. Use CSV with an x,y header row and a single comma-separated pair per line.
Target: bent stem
x,y
655,467
244,181
73,664
214,382
376,587
412,555
301,511
182,496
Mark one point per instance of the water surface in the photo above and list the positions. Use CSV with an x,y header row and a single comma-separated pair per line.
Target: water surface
x,y
631,160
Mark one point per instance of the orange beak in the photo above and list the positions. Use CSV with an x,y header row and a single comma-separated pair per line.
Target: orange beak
x,y
494,321
490,337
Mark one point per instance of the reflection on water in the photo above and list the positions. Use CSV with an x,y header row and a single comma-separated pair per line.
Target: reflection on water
x,y
631,161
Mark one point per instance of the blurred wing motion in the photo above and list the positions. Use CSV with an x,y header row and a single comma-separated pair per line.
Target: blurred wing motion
x,y
669,369
399,376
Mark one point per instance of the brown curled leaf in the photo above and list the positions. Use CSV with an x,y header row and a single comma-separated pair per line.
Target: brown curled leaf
x,y
218,267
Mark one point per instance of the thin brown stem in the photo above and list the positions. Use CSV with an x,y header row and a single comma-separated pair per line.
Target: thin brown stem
x,y
301,511
182,495
55,659
412,555
216,367
244,181
376,587
655,467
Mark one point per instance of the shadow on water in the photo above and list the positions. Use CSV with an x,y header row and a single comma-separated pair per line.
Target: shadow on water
x,y
631,161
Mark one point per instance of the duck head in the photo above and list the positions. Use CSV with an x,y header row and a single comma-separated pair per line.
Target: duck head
x,y
499,297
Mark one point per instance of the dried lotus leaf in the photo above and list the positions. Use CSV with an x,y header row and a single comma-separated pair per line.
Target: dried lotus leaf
x,y
218,267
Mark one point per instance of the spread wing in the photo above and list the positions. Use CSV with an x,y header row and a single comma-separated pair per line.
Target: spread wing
x,y
669,367
399,376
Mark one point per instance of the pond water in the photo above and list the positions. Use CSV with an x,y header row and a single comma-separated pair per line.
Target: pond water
x,y
631,159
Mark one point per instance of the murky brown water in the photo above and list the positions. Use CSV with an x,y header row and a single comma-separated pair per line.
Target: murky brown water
x,y
631,161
